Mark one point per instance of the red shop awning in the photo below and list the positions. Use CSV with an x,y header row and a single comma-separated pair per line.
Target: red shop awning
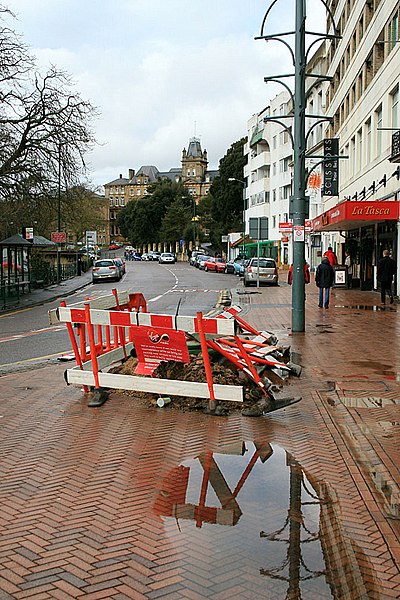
x,y
352,214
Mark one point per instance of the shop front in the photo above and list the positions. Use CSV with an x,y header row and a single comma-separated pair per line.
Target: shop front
x,y
368,228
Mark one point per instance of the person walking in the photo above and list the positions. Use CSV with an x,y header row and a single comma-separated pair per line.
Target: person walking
x,y
331,256
349,265
306,274
386,270
324,276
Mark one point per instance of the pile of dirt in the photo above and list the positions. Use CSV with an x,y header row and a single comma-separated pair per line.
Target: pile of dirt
x,y
223,372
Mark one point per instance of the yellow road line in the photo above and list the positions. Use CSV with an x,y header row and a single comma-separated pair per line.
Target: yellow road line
x,y
16,312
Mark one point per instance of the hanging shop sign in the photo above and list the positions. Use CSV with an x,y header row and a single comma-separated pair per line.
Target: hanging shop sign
x,y
331,167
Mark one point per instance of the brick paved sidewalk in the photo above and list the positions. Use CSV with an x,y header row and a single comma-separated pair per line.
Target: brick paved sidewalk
x,y
86,494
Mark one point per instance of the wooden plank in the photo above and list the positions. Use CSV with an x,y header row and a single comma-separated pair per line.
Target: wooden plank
x,y
171,387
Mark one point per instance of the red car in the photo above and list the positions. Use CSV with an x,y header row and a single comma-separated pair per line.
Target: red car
x,y
220,265
113,247
215,264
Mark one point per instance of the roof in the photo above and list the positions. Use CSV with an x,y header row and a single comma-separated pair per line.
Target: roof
x,y
149,171
39,240
15,240
194,148
119,181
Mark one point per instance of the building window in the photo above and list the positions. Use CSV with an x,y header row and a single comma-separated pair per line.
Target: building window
x,y
111,201
122,201
131,192
359,149
138,192
274,221
116,201
368,142
188,173
274,168
274,142
395,107
193,171
353,155
273,195
378,116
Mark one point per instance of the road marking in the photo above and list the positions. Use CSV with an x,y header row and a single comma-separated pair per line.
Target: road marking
x,y
21,362
18,336
15,312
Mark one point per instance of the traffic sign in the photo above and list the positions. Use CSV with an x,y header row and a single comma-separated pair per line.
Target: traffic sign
x,y
59,237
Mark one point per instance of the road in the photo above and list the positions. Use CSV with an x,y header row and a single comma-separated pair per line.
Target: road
x,y
27,340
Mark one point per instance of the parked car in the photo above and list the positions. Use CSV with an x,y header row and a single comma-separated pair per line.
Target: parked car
x,y
268,271
155,255
113,247
136,256
235,266
201,261
198,258
193,256
166,257
220,265
129,248
121,265
209,264
106,268
146,256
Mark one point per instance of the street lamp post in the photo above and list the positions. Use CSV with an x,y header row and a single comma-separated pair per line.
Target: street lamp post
x,y
244,209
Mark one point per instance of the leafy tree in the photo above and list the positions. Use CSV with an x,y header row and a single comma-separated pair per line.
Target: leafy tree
x,y
141,221
176,220
227,196
44,123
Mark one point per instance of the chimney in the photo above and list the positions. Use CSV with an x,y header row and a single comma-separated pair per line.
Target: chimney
x,y
131,173
120,175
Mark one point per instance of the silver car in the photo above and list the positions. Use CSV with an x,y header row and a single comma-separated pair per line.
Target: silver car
x,y
166,257
104,269
268,269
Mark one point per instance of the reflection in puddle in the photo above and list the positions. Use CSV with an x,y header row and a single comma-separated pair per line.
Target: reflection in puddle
x,y
252,506
366,307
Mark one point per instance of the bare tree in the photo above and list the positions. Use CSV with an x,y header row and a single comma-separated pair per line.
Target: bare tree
x,y
45,126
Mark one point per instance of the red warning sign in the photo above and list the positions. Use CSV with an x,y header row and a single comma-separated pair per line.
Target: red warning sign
x,y
154,345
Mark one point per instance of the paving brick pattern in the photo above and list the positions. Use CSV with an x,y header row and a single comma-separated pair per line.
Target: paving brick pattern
x,y
79,486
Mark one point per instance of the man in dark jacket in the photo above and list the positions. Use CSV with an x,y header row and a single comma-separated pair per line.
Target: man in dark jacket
x,y
386,270
324,276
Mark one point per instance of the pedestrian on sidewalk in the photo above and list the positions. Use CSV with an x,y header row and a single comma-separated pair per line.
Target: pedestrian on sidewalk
x,y
306,274
386,270
324,276
349,265
331,256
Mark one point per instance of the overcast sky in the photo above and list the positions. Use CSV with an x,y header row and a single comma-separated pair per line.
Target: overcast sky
x,y
162,71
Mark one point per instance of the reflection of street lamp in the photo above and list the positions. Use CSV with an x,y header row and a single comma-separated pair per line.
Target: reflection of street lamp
x,y
59,216
244,209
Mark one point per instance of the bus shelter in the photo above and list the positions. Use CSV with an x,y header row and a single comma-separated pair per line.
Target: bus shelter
x,y
14,268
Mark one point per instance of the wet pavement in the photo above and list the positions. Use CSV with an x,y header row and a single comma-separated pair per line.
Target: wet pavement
x,y
127,501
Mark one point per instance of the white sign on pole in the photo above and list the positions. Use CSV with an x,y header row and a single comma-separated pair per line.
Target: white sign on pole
x,y
91,238
298,233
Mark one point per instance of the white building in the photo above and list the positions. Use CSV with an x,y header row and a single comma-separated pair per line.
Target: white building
x,y
363,99
268,174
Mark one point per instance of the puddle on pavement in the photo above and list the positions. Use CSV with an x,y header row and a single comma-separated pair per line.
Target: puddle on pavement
x,y
366,307
252,506
377,367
